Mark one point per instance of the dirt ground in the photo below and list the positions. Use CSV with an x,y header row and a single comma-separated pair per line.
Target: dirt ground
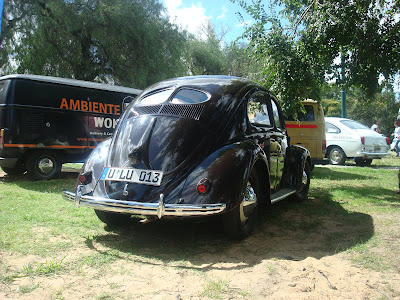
x,y
165,260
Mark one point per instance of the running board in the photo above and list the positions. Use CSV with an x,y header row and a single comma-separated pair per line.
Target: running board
x,y
282,194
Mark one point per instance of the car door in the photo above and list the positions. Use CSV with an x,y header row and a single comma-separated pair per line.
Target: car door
x,y
262,130
279,139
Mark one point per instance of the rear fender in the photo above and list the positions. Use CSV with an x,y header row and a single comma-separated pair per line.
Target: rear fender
x,y
94,164
226,171
296,158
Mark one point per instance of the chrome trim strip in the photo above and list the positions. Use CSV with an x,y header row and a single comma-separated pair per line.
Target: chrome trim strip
x,y
158,209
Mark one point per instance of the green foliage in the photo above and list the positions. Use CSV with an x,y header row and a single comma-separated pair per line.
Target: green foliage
x,y
332,108
239,61
295,60
205,57
363,108
126,42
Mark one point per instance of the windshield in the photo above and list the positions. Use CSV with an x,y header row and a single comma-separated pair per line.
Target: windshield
x,y
353,124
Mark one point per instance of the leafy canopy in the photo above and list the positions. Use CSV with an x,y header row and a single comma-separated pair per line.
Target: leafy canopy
x,y
297,49
126,42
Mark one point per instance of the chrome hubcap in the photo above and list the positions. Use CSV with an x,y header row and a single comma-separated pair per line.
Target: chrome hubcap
x,y
45,165
336,155
304,179
248,204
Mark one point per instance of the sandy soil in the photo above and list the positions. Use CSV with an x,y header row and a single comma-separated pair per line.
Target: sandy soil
x,y
165,260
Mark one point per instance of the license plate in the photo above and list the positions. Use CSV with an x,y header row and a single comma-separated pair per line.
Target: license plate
x,y
132,175
377,149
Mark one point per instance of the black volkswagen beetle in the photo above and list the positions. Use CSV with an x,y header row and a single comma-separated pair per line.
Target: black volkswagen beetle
x,y
195,146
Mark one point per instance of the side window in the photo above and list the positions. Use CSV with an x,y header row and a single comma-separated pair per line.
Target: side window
x,y
257,110
307,116
275,112
330,128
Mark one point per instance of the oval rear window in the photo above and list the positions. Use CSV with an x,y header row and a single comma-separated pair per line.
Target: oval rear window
x,y
155,98
188,96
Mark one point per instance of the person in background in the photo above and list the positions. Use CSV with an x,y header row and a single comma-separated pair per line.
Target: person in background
x,y
375,127
396,138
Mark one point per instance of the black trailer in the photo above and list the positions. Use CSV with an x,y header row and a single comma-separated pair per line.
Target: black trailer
x,y
47,121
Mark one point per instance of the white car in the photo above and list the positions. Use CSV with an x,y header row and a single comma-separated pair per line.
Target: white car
x,y
347,138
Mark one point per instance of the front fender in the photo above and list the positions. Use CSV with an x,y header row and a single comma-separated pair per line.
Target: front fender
x,y
226,171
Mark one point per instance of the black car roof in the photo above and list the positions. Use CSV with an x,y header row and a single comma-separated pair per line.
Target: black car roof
x,y
201,82
225,91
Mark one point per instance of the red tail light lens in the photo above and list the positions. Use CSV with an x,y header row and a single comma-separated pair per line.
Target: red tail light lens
x,y
85,178
324,145
203,186
363,140
388,141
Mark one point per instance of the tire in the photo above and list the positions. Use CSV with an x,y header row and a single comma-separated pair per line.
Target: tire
x,y
336,156
239,223
362,162
19,169
43,165
302,191
111,218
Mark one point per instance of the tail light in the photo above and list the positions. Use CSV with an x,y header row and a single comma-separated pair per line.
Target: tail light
x,y
85,178
203,186
363,140
323,145
388,141
1,138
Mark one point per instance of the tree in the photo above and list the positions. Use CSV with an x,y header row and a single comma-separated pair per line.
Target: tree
x,y
296,59
362,108
239,62
205,57
126,42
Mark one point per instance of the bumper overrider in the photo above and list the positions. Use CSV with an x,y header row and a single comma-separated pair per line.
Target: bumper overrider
x,y
159,209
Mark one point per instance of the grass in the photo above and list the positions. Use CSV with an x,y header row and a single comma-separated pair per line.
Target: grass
x,y
352,210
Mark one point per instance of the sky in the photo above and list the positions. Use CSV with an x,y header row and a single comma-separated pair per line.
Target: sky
x,y
191,14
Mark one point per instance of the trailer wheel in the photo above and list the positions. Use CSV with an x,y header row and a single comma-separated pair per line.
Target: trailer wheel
x,y
43,165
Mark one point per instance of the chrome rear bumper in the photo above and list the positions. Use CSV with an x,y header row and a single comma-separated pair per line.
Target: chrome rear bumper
x,y
158,209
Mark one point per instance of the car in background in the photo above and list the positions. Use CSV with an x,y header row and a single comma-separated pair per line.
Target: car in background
x,y
347,139
309,130
193,147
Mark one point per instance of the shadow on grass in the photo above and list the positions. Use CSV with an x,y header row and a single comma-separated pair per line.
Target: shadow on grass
x,y
66,180
290,231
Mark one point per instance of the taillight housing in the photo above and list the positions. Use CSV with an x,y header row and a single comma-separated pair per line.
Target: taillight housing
x,y
363,140
323,145
85,178
203,186
387,140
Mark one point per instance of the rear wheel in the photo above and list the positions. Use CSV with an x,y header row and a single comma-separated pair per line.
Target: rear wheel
x,y
240,221
336,156
43,165
111,218
362,161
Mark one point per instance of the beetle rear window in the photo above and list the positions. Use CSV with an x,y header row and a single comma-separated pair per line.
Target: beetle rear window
x,y
155,98
188,96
